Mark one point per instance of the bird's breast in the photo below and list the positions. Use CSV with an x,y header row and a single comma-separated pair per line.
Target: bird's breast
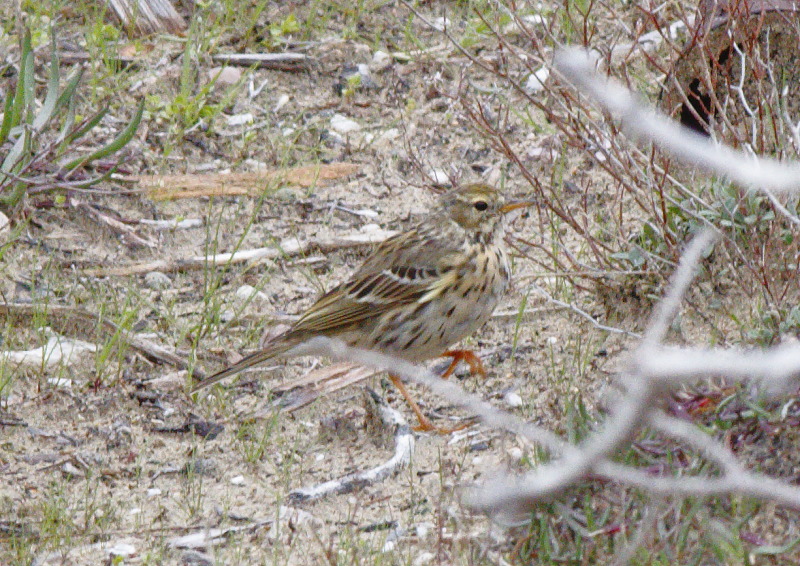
x,y
463,303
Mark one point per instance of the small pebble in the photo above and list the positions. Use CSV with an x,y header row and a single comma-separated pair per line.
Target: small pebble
x,y
5,224
423,529
237,480
288,194
240,119
536,82
122,549
513,399
515,453
439,177
479,446
157,280
380,61
282,101
343,124
70,469
440,24
246,292
153,492
552,341
225,76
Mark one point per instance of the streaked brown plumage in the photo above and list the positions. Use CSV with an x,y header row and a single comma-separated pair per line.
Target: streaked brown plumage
x,y
418,293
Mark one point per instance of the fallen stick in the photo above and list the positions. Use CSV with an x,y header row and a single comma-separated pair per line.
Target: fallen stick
x,y
275,61
60,315
287,248
403,448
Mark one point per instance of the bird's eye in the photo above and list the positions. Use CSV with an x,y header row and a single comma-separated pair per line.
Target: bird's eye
x,y
480,205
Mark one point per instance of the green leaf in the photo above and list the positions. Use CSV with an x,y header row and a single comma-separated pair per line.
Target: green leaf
x,y
81,129
67,94
50,104
118,143
5,127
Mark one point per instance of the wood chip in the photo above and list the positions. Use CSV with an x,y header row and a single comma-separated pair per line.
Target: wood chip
x,y
168,187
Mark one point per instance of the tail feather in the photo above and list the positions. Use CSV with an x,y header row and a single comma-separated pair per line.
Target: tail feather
x,y
281,346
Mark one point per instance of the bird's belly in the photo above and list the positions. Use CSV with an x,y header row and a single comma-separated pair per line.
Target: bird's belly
x,y
427,331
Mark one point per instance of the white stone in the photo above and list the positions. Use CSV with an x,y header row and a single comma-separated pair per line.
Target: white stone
x,y
513,399
122,549
153,492
237,480
247,292
440,24
5,225
240,119
381,61
343,124
537,80
157,280
423,529
282,101
225,76
439,177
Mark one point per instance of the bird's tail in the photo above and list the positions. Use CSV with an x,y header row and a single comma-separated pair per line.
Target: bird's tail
x,y
280,346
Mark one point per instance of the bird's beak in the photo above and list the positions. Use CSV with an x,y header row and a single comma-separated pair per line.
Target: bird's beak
x,y
515,205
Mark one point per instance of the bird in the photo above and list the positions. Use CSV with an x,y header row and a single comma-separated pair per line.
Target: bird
x,y
418,293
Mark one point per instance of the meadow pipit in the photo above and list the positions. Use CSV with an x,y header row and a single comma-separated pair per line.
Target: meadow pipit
x,y
417,294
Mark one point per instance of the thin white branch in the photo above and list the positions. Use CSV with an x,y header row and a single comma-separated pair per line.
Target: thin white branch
x,y
580,312
403,449
644,122
668,308
777,368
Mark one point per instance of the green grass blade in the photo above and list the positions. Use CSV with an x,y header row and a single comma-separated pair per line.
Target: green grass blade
x,y
24,92
69,89
51,99
118,143
81,129
5,127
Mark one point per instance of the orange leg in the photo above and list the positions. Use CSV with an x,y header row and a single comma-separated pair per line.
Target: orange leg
x,y
474,362
425,423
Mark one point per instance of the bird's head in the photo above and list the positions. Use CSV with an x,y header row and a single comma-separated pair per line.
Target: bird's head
x,y
478,209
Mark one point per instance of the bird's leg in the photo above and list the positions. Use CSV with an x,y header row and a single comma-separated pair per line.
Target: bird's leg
x,y
472,359
425,424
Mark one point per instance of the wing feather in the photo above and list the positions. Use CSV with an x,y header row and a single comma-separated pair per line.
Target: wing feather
x,y
395,274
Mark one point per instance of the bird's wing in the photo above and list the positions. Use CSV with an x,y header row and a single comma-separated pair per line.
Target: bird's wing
x,y
407,268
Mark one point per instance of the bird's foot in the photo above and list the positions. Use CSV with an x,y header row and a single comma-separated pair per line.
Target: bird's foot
x,y
476,366
425,424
